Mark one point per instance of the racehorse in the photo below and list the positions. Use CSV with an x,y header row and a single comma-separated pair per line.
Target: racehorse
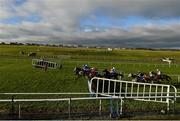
x,y
112,75
135,77
161,77
78,71
143,77
94,73
88,74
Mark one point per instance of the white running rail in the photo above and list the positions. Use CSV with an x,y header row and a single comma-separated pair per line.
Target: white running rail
x,y
42,64
128,89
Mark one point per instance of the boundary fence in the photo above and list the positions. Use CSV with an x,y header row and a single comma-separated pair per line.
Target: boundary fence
x,y
104,86
70,100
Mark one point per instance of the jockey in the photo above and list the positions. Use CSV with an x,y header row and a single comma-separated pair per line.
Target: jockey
x,y
158,72
150,74
94,71
140,75
85,68
113,71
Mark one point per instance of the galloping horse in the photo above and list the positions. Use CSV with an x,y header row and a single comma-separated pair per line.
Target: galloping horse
x,y
161,77
135,77
112,75
88,74
78,71
94,73
142,78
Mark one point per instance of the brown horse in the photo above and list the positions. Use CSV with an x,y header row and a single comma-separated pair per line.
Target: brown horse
x,y
143,77
79,72
162,77
112,75
94,73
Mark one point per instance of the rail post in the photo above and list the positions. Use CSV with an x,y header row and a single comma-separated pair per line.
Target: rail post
x,y
19,112
69,107
12,106
174,104
100,107
121,107
111,107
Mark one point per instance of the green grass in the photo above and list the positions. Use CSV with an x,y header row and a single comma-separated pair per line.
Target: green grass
x,y
18,75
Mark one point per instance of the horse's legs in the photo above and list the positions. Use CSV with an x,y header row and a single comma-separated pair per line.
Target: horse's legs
x,y
168,78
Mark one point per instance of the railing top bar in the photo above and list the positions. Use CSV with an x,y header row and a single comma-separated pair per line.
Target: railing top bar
x,y
81,93
43,61
168,74
81,98
130,82
58,93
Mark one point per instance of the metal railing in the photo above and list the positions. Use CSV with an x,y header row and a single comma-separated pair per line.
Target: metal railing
x,y
70,99
104,86
42,63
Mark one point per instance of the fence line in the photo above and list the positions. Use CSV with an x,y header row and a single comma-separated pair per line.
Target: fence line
x,y
69,100
125,64
72,93
83,98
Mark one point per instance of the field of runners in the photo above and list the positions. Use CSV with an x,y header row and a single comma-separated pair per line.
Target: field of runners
x,y
17,75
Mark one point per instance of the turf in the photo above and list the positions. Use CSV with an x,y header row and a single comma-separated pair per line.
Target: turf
x,y
18,75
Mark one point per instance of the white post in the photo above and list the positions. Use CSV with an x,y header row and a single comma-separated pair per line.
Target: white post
x,y
126,89
131,89
100,107
97,88
138,91
167,99
109,87
121,107
114,88
103,87
169,64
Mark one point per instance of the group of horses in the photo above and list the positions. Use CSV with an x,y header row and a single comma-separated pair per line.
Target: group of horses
x,y
149,77
93,72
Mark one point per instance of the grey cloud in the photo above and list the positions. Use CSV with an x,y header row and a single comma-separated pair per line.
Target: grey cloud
x,y
151,36
67,14
61,22
146,8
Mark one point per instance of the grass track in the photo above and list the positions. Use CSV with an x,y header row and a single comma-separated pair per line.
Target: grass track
x,y
18,75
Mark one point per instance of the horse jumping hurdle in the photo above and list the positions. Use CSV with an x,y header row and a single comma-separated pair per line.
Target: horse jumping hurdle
x,y
40,63
132,90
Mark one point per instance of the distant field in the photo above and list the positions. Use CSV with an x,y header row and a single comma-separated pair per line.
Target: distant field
x,y
18,75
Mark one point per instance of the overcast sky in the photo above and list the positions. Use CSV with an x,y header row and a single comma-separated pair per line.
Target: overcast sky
x,y
117,23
